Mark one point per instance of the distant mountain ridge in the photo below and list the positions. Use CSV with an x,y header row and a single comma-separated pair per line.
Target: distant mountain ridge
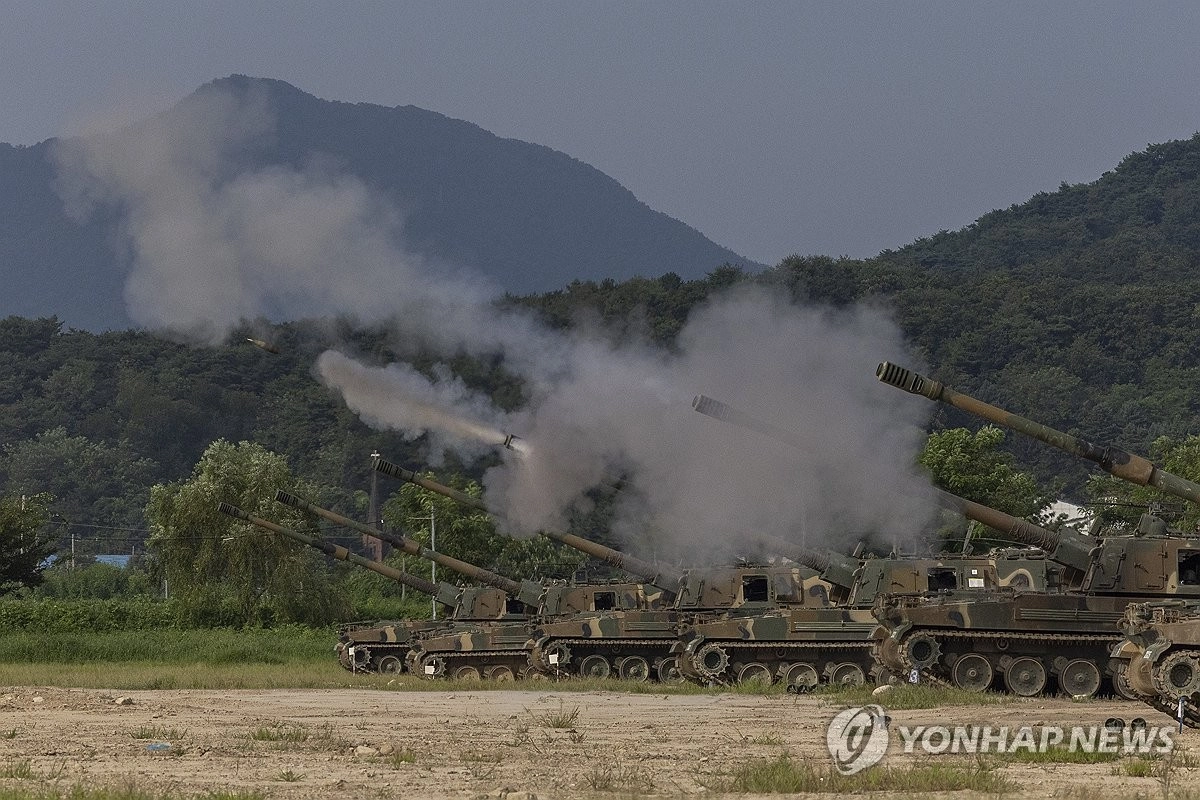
x,y
530,218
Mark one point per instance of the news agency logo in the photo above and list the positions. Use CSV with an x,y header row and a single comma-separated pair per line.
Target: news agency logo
x,y
857,738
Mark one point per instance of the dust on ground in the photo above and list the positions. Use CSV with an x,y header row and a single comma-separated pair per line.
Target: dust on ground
x,y
475,744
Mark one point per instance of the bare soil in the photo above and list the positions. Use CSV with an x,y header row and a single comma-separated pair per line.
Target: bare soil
x,y
436,744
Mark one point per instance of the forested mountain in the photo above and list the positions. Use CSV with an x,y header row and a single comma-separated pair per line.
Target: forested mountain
x,y
1077,308
528,217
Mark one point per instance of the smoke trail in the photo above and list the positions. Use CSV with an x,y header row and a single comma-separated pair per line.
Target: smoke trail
x,y
215,237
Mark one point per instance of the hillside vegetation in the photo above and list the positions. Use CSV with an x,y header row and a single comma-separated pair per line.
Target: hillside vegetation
x,y
1077,308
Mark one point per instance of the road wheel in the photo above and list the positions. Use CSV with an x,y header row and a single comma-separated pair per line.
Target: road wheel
x,y
634,668
847,674
1025,676
668,671
391,665
500,673
754,672
1080,678
595,666
800,677
972,672
466,672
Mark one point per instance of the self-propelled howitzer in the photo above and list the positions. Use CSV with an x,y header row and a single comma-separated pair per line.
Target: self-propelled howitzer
x,y
804,645
1162,656
1036,640
382,647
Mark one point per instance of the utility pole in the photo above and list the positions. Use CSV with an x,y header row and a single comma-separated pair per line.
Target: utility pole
x,y
370,544
432,520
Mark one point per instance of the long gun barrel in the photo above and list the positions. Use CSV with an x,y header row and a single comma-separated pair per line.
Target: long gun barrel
x,y
527,594
1127,466
1066,546
663,578
443,593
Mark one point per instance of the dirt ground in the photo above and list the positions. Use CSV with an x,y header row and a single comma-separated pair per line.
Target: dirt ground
x,y
475,744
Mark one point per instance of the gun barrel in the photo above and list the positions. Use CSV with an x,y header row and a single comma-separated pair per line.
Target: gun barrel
x,y
337,551
662,577
1067,547
1124,465
407,545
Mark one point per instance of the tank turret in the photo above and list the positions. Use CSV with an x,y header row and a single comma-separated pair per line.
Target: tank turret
x,y
528,592
663,577
1124,465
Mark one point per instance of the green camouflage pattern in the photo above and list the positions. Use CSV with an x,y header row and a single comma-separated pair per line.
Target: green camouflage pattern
x,y
1160,656
830,638
502,651
1060,639
639,644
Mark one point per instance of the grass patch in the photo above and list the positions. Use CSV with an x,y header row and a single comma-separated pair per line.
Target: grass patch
x,y
785,775
158,733
630,778
280,732
288,644
481,765
1136,768
562,718
908,696
19,770
1059,755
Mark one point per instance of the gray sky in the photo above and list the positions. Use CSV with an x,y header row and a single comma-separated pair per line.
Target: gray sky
x,y
774,128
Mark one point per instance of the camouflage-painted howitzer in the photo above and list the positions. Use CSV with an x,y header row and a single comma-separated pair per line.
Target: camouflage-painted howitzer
x,y
831,639
1028,638
383,646
1065,635
640,645
1161,653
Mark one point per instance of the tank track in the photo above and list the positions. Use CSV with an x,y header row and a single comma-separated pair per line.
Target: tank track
x,y
609,647
783,652
936,674
448,661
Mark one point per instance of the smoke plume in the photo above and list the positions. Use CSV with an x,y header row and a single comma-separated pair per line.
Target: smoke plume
x,y
214,239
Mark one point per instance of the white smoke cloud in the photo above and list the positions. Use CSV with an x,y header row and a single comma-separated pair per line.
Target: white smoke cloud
x,y
213,241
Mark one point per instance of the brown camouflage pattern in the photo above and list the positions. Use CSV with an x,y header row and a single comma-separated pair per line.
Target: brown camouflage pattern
x,y
1045,634
805,645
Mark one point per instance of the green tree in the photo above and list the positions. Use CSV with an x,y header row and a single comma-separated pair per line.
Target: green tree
x,y
973,466
467,534
214,563
94,482
24,545
1120,502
